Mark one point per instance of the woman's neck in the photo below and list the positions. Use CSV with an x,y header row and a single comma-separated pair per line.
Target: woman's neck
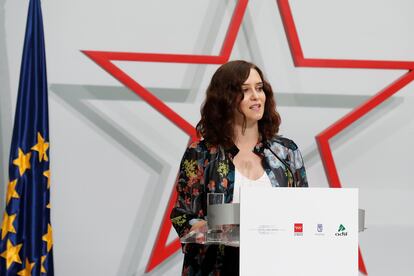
x,y
248,139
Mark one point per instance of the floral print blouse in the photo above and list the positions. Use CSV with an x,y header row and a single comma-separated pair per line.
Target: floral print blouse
x,y
206,169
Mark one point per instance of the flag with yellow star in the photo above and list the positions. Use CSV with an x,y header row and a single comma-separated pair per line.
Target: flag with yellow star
x,y
26,244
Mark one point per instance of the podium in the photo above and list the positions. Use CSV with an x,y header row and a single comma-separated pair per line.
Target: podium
x,y
288,231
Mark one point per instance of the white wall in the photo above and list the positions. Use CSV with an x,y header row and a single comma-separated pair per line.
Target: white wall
x,y
114,158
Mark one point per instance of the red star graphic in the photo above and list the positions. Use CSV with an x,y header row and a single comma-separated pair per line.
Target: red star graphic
x,y
162,250
323,138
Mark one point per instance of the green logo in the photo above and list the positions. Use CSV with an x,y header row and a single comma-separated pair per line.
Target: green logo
x,y
341,228
341,231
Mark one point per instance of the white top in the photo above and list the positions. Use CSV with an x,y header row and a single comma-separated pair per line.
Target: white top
x,y
242,181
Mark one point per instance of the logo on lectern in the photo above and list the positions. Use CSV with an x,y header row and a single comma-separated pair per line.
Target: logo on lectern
x,y
319,230
341,231
319,227
298,229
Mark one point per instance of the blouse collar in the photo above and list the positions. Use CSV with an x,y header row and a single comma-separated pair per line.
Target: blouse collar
x,y
233,149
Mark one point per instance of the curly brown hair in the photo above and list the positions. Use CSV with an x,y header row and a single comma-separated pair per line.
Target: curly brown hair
x,y
223,97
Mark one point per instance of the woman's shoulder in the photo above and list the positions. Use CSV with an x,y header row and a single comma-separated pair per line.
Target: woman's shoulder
x,y
202,146
279,140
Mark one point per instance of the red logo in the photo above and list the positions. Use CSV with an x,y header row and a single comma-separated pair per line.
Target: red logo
x,y
298,228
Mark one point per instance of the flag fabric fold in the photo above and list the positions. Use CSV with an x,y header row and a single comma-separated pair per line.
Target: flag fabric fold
x,y
26,244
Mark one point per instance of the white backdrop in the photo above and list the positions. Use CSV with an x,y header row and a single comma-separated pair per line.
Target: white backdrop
x,y
114,158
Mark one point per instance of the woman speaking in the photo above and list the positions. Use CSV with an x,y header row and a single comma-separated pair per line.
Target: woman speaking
x,y
239,146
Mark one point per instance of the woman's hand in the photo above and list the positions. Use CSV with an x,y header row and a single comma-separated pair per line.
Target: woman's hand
x,y
199,226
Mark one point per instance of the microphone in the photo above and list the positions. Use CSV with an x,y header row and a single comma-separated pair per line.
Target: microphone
x,y
267,145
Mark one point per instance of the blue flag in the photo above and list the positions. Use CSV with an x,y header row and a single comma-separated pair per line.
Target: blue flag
x,y
26,232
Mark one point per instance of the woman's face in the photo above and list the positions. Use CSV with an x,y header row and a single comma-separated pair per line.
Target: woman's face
x,y
253,103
